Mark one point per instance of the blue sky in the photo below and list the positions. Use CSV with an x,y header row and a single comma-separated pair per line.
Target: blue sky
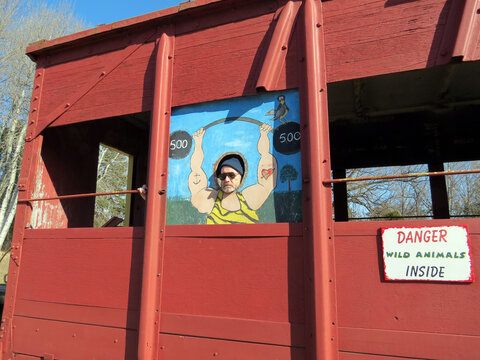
x,y
96,12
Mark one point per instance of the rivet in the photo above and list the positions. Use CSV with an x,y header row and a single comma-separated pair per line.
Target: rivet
x,y
103,73
39,74
170,57
318,25
115,341
321,90
284,47
34,109
159,274
67,105
215,354
35,98
162,347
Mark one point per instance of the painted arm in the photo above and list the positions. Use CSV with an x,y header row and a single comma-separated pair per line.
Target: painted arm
x,y
203,197
255,195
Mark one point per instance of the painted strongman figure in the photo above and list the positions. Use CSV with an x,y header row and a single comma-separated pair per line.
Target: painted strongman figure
x,y
226,204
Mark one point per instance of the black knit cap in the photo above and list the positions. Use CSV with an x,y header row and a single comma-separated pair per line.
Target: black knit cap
x,y
234,161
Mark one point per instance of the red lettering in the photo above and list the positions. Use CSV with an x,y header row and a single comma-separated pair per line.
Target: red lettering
x,y
434,235
409,237
443,234
427,236
418,236
401,237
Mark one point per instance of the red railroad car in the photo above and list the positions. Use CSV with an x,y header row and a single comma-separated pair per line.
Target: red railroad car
x,y
250,79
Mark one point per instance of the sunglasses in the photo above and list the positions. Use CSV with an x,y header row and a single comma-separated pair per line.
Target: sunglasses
x,y
223,176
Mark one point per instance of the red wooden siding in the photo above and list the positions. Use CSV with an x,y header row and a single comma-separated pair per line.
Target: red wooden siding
x,y
78,287
220,56
233,292
409,319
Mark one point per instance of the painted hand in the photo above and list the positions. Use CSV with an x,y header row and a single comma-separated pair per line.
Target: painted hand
x,y
265,128
198,135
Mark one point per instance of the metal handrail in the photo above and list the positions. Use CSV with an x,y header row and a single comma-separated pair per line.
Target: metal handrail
x,y
401,176
75,196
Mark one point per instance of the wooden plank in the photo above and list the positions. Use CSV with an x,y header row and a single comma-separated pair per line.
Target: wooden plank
x,y
361,356
86,233
72,341
401,306
90,272
127,89
261,278
93,315
176,347
234,230
121,26
267,332
366,38
409,344
228,58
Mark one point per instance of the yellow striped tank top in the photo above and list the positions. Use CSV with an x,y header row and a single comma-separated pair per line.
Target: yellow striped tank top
x,y
244,215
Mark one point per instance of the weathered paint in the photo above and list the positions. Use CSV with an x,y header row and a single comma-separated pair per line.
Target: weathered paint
x,y
311,290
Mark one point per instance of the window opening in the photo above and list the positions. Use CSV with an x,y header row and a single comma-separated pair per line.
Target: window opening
x,y
114,173
81,164
399,124
389,199
463,190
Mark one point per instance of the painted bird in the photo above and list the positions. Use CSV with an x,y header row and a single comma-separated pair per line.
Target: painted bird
x,y
281,112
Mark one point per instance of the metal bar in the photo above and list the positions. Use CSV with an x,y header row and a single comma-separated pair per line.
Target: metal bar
x,y
277,49
402,176
467,36
76,196
156,202
318,222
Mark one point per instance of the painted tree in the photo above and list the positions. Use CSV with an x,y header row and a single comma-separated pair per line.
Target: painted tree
x,y
21,22
288,173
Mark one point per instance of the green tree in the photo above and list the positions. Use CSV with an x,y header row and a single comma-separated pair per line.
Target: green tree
x,y
21,23
288,173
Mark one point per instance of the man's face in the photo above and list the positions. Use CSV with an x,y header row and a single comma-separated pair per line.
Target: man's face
x,y
229,179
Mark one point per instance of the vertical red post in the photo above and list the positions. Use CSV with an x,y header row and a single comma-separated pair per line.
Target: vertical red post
x,y
26,183
318,223
156,201
278,47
